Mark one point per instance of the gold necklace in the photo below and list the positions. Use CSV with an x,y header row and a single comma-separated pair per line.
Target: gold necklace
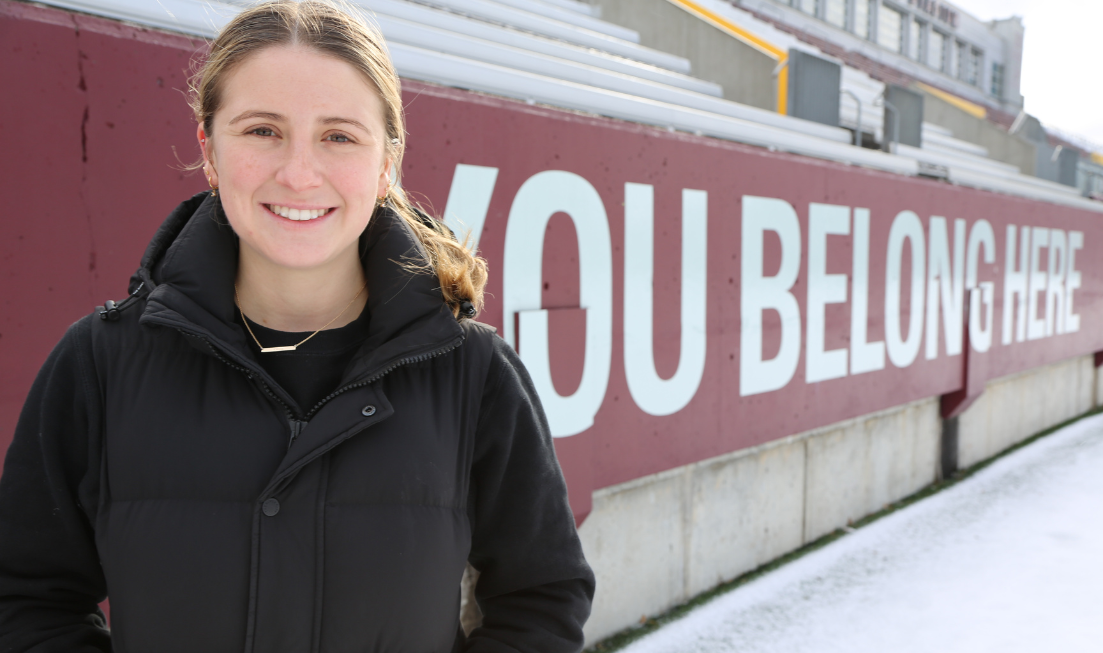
x,y
267,350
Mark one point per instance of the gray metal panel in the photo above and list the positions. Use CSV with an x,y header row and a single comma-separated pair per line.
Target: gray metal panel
x,y
909,105
1067,163
1045,167
1032,130
1052,164
814,85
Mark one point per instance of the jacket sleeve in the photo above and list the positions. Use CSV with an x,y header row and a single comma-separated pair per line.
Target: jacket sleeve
x,y
534,587
51,581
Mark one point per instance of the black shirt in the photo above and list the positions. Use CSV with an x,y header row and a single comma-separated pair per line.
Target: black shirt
x,y
313,370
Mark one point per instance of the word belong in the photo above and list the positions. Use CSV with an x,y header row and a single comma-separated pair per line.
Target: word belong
x,y
943,277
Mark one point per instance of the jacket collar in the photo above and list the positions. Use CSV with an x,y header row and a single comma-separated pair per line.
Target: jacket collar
x,y
191,263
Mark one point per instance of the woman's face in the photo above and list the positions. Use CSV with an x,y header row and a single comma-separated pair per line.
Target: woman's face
x,y
297,153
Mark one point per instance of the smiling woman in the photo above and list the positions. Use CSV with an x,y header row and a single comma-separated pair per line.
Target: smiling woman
x,y
322,491
299,149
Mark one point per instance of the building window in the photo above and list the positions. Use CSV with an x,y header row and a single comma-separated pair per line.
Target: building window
x,y
889,25
997,79
936,49
835,12
957,60
974,67
915,41
861,18
807,6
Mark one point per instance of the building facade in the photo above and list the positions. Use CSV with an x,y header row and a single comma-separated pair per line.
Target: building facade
x,y
930,40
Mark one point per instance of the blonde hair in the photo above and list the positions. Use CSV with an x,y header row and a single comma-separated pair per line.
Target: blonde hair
x,y
331,30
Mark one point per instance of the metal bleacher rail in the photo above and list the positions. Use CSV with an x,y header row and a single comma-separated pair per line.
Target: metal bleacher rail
x,y
559,53
422,16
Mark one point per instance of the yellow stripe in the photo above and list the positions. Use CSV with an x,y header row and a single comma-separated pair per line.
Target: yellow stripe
x,y
756,42
783,89
731,28
1097,158
968,107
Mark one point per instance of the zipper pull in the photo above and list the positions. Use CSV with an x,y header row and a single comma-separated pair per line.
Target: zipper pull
x,y
297,426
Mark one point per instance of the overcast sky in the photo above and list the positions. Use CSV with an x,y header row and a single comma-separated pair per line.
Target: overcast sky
x,y
1062,59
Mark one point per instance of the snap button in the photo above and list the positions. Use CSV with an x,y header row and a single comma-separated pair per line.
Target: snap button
x,y
270,507
368,411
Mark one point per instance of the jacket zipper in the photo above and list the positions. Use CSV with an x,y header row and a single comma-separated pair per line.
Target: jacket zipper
x,y
280,482
296,425
375,377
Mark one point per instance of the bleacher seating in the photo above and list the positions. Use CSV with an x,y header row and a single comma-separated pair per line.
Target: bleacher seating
x,y
560,53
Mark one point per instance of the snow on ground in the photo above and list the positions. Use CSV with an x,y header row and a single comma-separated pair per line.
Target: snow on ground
x,y
1008,560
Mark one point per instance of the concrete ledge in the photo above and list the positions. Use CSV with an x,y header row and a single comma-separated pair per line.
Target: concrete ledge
x,y
857,467
657,541
639,539
1098,392
1015,407
744,510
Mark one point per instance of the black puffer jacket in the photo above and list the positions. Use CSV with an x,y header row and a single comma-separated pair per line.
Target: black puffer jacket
x,y
156,462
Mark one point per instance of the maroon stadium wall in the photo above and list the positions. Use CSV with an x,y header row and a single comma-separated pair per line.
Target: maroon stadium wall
x,y
788,293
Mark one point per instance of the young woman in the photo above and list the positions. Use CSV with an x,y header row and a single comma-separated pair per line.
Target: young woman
x,y
291,436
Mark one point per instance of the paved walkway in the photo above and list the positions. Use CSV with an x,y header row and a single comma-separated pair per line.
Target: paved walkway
x,y
1008,560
